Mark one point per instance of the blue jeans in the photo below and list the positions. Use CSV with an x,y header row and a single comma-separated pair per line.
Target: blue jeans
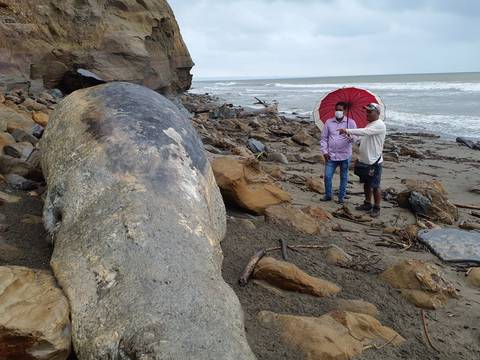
x,y
330,168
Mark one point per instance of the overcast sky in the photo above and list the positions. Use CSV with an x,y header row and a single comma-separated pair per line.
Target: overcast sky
x,y
286,38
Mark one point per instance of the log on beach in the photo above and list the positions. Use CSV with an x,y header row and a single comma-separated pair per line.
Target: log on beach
x,y
136,219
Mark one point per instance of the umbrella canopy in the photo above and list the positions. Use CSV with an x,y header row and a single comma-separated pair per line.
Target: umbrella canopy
x,y
356,99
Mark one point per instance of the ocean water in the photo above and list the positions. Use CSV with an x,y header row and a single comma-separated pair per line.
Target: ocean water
x,y
445,104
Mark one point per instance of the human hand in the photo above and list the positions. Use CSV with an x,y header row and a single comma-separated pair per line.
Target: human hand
x,y
343,131
326,157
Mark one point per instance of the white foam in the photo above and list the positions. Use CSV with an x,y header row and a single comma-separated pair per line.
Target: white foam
x,y
226,84
412,86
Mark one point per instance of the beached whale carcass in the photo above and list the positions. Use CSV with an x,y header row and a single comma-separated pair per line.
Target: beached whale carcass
x,y
137,220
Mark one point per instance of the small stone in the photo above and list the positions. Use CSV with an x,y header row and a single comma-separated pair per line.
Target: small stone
x,y
256,146
21,150
304,138
40,118
22,136
287,276
473,277
10,165
290,216
6,139
277,157
337,256
20,183
242,151
358,306
7,198
32,105
315,185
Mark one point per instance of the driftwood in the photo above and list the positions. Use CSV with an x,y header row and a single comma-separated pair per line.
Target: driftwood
x,y
425,329
466,206
283,244
269,110
248,271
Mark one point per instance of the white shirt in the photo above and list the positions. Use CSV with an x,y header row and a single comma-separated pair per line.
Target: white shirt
x,y
371,144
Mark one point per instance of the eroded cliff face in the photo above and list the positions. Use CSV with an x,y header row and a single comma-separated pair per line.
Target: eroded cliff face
x,y
137,41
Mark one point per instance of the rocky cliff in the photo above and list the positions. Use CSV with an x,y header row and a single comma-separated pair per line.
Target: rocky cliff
x,y
42,42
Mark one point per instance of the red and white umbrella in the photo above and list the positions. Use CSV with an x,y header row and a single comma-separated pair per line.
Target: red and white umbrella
x,y
355,98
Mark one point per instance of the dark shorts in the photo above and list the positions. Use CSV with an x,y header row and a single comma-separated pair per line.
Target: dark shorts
x,y
375,180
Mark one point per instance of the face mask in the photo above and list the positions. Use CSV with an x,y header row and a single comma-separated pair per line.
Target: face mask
x,y
339,114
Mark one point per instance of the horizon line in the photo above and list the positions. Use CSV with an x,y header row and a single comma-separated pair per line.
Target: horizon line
x,y
239,78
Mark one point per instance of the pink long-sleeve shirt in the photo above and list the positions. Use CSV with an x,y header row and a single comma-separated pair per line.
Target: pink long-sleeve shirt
x,y
338,147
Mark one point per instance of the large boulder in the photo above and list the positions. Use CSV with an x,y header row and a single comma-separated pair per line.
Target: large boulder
x,y
421,283
428,199
34,316
244,183
137,219
338,335
45,42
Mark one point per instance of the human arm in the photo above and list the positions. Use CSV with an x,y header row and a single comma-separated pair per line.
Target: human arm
x,y
324,140
374,129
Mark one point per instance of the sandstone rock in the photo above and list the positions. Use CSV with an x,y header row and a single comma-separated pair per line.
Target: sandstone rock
x,y
318,213
7,198
274,171
10,118
243,183
40,118
242,151
135,41
19,182
34,316
315,185
287,276
9,165
338,335
473,277
391,157
335,255
21,150
32,105
137,240
304,138
421,283
428,199
277,157
288,215
6,139
313,159
22,136
358,306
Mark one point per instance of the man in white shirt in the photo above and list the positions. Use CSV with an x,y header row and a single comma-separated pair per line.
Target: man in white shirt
x,y
370,157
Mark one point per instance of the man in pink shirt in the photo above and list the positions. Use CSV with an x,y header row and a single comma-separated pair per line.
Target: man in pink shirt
x,y
337,150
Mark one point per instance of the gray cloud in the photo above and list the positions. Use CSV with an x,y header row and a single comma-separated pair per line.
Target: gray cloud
x,y
276,38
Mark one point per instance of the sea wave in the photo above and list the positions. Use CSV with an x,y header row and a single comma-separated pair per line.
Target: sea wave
x,y
447,125
226,84
412,86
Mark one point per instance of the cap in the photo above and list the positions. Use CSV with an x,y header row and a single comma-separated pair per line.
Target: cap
x,y
373,106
